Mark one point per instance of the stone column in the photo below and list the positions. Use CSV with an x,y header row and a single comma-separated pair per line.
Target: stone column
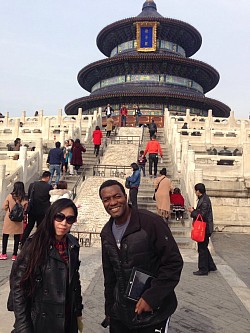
x,y
23,162
187,119
231,120
6,119
39,149
16,133
62,137
23,117
3,193
198,176
40,118
79,116
243,133
46,129
59,117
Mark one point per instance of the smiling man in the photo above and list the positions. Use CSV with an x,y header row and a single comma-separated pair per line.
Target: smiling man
x,y
137,241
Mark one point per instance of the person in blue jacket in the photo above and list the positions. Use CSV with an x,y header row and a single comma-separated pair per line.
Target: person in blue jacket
x,y
134,180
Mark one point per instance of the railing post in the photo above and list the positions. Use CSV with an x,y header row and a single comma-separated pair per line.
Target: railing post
x,y
2,183
23,116
22,161
39,149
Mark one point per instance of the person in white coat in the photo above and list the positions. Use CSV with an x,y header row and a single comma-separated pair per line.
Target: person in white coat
x,y
60,191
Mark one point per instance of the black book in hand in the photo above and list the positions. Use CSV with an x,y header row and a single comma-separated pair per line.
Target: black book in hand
x,y
139,281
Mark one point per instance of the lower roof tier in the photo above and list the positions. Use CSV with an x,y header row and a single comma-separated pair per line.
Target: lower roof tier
x,y
148,96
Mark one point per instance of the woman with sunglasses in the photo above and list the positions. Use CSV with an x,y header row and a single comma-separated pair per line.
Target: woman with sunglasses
x,y
45,290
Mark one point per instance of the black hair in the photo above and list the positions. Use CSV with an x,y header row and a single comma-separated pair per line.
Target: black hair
x,y
62,184
163,171
142,152
38,246
77,141
58,144
111,182
200,187
97,127
153,136
134,166
46,174
177,190
18,190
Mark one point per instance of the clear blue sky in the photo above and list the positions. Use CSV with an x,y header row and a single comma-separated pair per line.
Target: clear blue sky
x,y
45,43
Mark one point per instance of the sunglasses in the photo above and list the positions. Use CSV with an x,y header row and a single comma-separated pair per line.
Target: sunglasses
x,y
70,219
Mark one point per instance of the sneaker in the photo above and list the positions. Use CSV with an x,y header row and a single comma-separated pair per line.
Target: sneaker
x,y
13,258
3,256
177,218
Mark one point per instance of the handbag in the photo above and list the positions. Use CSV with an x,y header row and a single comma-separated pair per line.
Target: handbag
x,y
16,213
127,183
198,229
157,189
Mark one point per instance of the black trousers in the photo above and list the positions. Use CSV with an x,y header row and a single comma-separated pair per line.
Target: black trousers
x,y
5,243
153,159
96,150
32,219
205,261
133,196
118,327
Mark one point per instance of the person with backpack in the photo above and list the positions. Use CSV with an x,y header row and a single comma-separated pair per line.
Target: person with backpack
x,y
12,224
152,128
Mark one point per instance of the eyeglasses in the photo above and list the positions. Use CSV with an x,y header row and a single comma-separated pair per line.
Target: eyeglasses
x,y
70,219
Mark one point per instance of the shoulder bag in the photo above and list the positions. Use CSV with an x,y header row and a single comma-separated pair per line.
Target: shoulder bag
x,y
198,229
157,188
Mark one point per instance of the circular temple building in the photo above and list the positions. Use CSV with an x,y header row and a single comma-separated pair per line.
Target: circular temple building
x,y
148,64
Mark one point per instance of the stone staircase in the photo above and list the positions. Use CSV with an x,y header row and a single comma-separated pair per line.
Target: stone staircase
x,y
180,229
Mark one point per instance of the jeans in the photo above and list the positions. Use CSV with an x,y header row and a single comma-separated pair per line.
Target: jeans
x,y
142,168
54,168
153,159
123,121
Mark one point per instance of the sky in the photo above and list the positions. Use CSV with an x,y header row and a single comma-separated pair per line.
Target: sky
x,y
44,44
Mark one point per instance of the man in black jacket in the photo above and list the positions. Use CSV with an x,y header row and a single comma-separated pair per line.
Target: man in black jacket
x,y
38,194
139,239
55,160
204,208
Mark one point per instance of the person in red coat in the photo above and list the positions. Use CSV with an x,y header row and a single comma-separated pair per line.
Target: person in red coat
x,y
177,200
123,113
97,140
77,151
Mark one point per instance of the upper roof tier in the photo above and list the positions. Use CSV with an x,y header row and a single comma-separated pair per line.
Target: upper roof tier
x,y
168,29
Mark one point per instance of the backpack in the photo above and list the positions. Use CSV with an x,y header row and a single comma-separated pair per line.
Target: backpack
x,y
16,213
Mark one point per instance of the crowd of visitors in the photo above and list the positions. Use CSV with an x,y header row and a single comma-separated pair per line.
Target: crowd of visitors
x,y
45,290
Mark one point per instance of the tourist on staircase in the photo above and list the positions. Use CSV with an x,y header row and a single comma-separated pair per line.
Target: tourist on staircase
x,y
108,110
39,203
152,128
97,140
134,180
70,148
123,113
153,148
78,149
60,192
177,200
11,227
109,127
55,160
137,115
142,163
163,187
65,164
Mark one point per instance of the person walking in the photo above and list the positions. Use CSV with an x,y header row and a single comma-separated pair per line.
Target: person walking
x,y
60,192
134,180
137,115
55,160
45,290
97,140
177,200
77,151
153,148
152,128
137,239
163,187
11,227
142,162
39,203
109,127
123,113
108,110
70,150
65,149
204,208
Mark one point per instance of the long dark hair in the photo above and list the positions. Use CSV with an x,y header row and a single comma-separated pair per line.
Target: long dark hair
x,y
18,191
39,244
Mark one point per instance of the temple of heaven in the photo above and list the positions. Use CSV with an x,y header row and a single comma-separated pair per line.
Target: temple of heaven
x,y
148,64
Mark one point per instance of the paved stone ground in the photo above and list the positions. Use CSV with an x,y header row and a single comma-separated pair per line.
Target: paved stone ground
x,y
207,304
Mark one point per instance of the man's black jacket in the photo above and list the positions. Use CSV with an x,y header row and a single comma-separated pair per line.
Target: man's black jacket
x,y
149,245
